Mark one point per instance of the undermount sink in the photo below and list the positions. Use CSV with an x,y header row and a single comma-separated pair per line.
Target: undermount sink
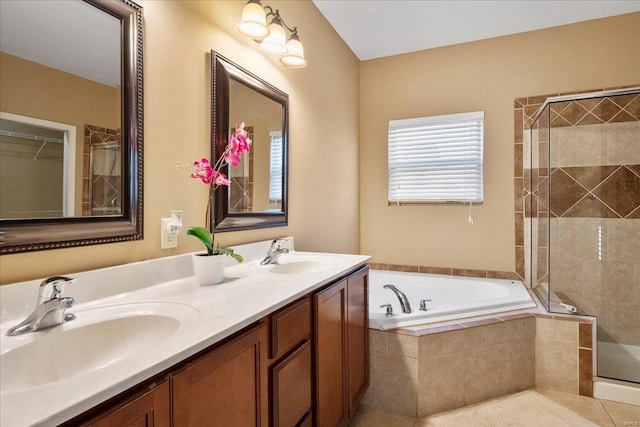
x,y
98,338
299,265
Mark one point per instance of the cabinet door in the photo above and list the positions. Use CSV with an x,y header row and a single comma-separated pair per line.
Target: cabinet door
x,y
357,338
291,388
152,409
222,388
330,348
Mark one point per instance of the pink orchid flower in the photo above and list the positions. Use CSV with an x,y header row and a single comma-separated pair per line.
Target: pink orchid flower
x,y
233,158
220,179
240,129
202,170
234,143
241,142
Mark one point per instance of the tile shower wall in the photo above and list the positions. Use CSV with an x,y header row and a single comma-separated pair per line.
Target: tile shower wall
x,y
101,188
595,206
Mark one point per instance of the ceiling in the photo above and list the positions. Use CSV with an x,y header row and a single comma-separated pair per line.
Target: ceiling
x,y
379,28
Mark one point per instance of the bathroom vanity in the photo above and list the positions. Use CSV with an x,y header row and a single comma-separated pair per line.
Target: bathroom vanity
x,y
293,351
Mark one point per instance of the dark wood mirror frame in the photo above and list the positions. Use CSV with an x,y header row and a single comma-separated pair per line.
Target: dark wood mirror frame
x,y
223,70
24,235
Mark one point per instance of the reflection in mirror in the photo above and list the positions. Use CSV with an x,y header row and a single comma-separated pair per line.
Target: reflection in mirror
x,y
35,180
256,182
257,195
70,123
64,80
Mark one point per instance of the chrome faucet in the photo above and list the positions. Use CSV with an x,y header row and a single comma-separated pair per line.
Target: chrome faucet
x,y
274,252
404,302
50,307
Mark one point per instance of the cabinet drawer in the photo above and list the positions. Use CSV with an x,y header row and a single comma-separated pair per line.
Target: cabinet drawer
x,y
290,326
291,388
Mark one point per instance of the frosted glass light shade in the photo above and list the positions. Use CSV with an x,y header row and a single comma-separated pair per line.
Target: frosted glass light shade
x,y
253,22
294,57
276,41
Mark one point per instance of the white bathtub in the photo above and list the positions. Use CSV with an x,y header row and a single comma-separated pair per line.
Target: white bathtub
x,y
451,298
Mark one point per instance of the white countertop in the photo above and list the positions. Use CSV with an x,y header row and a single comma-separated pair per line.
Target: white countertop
x,y
211,313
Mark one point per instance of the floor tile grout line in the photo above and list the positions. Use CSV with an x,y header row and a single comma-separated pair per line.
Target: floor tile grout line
x,y
607,412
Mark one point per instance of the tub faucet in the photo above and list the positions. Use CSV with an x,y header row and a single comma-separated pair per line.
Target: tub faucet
x,y
274,252
50,307
404,302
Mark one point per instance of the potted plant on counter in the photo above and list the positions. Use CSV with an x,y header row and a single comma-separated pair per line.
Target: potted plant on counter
x,y
208,268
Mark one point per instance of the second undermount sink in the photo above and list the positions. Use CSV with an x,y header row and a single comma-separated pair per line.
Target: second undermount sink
x,y
302,265
98,338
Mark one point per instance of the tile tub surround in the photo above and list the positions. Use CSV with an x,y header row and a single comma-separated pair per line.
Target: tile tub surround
x,y
249,293
421,375
420,372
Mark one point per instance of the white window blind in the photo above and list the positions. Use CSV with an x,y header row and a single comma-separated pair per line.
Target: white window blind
x,y
275,166
436,159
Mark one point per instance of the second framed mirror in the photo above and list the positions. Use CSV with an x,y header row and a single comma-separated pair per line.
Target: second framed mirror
x,y
257,194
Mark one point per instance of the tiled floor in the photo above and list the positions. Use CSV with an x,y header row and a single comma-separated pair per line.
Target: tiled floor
x,y
528,408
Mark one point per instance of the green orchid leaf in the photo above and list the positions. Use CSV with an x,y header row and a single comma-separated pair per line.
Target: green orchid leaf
x,y
204,236
207,239
228,252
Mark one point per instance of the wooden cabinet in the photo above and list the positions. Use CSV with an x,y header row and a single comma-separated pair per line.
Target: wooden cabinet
x,y
357,338
149,408
341,349
306,364
330,355
223,387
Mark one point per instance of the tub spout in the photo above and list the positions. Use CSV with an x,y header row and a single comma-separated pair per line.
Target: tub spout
x,y
404,302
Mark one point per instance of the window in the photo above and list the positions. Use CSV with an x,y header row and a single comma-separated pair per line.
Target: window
x,y
275,166
436,159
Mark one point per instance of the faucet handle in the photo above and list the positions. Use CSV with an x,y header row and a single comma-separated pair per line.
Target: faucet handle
x,y
53,287
277,242
423,304
389,309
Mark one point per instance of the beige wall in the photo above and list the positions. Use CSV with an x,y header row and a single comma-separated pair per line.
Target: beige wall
x,y
486,75
323,117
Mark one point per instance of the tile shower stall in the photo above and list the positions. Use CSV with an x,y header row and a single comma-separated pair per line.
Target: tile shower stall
x,y
581,157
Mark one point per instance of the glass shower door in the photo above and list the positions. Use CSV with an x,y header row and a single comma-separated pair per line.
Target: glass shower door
x,y
593,209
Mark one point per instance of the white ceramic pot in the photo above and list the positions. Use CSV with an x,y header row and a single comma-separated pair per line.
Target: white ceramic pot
x,y
208,269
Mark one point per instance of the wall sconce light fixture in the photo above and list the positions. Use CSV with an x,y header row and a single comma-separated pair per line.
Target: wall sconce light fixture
x,y
272,37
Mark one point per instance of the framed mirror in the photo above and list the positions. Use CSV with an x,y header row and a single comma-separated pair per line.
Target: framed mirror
x,y
71,116
257,195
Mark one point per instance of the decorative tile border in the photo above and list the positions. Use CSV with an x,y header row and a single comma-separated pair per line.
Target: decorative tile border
x,y
596,191
486,274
